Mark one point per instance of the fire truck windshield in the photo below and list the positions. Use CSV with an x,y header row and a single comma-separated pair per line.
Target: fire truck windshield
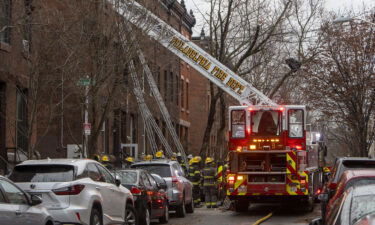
x,y
266,123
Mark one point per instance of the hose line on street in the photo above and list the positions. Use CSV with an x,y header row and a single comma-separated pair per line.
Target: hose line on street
x,y
263,219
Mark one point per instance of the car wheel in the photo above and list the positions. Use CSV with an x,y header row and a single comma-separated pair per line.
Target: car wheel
x,y
165,218
190,207
181,211
145,218
130,216
96,217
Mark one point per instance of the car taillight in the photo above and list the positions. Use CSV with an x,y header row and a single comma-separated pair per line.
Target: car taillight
x,y
71,190
174,181
135,191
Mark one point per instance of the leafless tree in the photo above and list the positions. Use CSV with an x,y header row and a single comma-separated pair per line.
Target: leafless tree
x,y
340,83
255,38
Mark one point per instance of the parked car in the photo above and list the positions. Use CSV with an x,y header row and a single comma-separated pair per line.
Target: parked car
x,y
342,165
348,179
151,201
76,191
356,206
179,189
19,208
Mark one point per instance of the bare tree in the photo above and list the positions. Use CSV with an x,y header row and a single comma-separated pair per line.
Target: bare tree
x,y
254,38
341,82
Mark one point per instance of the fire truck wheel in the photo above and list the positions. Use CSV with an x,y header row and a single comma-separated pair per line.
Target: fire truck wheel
x,y
309,204
241,205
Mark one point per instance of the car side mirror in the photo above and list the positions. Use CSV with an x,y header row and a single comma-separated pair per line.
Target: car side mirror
x,y
317,221
117,182
35,200
323,197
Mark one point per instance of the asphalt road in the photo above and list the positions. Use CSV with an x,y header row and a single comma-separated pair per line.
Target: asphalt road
x,y
282,215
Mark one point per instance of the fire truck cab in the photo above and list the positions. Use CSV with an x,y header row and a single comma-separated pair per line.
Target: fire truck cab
x,y
269,157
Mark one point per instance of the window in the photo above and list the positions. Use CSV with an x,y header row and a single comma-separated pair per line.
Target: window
x,y
2,198
177,90
153,182
106,175
182,93
266,123
14,195
165,85
94,173
172,88
128,177
295,118
22,123
238,123
162,170
145,181
42,173
187,96
5,20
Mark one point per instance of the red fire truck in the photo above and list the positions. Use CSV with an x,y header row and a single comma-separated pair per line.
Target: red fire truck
x,y
272,157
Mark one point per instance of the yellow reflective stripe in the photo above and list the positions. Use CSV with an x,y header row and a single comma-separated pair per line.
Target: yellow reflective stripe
x,y
291,162
208,177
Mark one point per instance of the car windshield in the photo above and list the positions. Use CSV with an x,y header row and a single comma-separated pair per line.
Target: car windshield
x,y
162,170
127,177
362,206
42,173
265,123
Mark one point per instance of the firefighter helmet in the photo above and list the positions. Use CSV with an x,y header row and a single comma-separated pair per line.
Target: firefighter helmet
x,y
174,156
129,159
105,158
190,157
209,160
159,154
196,159
148,158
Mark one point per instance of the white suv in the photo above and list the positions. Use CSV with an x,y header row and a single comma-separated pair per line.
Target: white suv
x,y
76,191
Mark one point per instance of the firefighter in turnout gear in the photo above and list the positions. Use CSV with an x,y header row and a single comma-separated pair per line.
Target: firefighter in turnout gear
x,y
195,178
209,183
221,181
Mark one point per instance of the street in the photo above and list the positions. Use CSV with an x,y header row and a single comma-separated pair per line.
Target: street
x,y
283,215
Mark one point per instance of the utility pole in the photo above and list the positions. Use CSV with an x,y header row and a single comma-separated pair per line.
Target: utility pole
x,y
86,125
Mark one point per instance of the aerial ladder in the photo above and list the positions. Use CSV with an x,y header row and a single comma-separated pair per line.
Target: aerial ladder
x,y
268,151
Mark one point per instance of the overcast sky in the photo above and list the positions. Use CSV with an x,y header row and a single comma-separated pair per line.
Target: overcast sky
x,y
198,6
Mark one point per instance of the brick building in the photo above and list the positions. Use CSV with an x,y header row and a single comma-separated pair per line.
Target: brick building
x,y
14,51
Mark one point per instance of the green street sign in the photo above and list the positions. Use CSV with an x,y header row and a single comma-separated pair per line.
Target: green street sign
x,y
85,82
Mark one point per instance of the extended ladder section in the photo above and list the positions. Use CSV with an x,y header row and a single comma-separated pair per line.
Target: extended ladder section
x,y
157,95
196,57
149,120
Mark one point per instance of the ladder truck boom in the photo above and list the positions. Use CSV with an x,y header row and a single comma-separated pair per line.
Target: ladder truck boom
x,y
192,54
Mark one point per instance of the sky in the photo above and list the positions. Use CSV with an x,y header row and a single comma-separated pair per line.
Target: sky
x,y
199,6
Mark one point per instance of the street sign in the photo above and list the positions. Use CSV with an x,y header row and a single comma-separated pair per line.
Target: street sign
x,y
85,81
87,128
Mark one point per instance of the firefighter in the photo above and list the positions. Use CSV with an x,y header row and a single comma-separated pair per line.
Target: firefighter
x,y
182,162
174,156
209,183
195,178
159,154
147,158
129,161
221,181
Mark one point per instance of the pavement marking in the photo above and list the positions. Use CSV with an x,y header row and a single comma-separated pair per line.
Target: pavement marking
x,y
263,219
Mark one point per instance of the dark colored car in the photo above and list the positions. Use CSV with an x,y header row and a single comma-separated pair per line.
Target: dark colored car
x,y
342,165
180,189
151,201
356,206
349,178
